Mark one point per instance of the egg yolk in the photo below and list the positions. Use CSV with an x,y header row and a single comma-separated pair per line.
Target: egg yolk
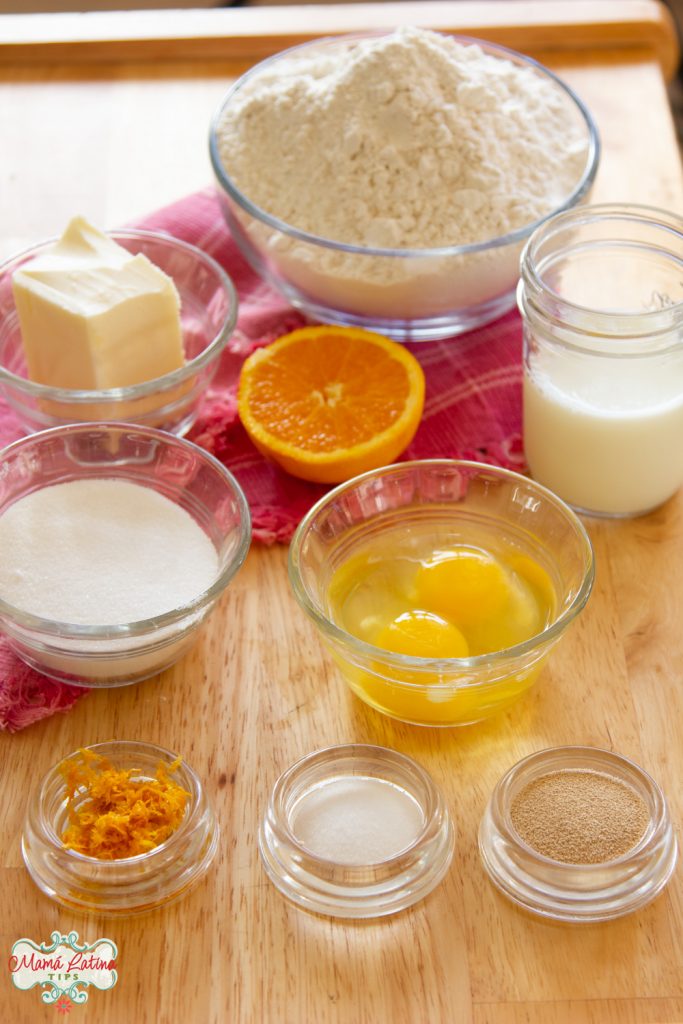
x,y
465,585
422,634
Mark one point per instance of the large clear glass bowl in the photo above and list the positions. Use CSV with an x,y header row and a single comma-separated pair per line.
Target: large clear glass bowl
x,y
208,312
454,503
409,294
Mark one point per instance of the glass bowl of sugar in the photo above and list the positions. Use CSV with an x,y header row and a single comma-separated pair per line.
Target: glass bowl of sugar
x,y
118,541
390,181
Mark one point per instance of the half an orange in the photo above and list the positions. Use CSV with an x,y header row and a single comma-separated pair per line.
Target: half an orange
x,y
327,403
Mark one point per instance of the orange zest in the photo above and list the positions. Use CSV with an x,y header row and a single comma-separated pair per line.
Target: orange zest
x,y
115,813
327,403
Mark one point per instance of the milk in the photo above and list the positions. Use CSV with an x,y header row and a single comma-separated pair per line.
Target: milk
x,y
607,437
601,296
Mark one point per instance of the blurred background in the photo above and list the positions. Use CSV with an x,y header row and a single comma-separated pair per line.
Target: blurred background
x,y
54,6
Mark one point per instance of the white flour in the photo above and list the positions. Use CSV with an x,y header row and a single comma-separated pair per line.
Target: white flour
x,y
102,552
410,140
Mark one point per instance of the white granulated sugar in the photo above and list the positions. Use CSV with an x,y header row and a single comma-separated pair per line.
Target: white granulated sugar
x,y
410,140
102,552
357,819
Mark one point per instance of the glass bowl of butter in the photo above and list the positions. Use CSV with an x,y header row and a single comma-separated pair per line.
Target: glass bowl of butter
x,y
126,325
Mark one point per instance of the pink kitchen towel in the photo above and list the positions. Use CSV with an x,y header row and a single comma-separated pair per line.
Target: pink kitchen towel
x,y
473,399
472,410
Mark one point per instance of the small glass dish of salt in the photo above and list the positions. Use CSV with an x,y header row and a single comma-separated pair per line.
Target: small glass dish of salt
x,y
356,831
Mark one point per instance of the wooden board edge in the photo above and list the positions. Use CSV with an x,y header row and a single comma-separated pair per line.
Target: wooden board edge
x,y
238,33
653,1009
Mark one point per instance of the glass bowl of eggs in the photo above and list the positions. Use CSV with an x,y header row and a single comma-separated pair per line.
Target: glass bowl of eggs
x,y
441,586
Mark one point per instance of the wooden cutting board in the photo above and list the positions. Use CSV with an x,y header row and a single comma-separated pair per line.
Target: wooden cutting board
x,y
107,114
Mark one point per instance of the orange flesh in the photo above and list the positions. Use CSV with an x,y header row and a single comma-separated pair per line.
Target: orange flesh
x,y
346,396
327,403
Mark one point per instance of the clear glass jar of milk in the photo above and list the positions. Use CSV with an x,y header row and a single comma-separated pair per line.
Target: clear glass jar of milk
x,y
601,294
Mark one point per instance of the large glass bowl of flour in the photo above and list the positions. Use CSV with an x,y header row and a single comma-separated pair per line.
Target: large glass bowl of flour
x,y
117,541
390,181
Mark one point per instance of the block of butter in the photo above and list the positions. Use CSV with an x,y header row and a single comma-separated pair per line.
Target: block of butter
x,y
94,316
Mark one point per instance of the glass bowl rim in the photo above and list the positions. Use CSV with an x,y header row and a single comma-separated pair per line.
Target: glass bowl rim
x,y
193,807
444,665
517,235
139,627
79,396
653,321
655,821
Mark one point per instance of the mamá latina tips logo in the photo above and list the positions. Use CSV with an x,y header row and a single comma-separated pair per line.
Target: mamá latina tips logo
x,y
64,968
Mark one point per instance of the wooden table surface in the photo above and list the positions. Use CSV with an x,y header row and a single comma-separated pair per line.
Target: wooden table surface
x,y
116,125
